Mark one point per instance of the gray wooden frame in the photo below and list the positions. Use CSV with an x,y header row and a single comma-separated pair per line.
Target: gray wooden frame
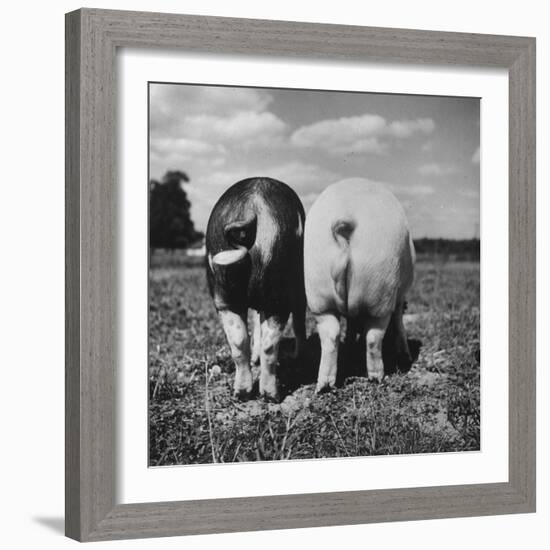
x,y
92,39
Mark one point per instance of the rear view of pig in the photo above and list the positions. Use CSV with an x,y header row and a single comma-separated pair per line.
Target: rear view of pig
x,y
359,263
254,244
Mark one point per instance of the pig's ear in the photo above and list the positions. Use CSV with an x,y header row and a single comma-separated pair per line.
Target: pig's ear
x,y
229,257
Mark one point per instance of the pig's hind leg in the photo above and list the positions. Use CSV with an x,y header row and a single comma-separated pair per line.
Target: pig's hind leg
x,y
375,328
328,326
404,358
272,327
236,331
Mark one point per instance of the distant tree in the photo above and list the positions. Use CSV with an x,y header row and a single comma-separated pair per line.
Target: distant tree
x,y
170,223
462,249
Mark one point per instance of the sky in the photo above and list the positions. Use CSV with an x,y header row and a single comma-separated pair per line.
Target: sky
x,y
424,148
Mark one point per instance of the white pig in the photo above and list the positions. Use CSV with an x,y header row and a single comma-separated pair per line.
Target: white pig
x,y
358,263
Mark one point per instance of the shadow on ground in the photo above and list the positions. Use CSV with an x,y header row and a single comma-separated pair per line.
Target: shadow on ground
x,y
294,373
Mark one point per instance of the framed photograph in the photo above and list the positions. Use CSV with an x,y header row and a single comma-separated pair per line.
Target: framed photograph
x,y
300,275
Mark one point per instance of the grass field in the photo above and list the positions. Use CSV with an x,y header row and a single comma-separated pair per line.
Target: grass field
x,y
194,418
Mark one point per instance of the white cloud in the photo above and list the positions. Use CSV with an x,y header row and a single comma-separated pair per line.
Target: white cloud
x,y
210,139
435,169
184,100
213,114
367,145
187,147
412,190
342,135
366,133
406,128
476,156
303,177
242,129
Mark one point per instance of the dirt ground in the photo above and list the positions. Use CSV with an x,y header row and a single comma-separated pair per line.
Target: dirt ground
x,y
193,418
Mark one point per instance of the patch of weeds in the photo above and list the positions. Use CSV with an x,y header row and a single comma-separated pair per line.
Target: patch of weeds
x,y
194,419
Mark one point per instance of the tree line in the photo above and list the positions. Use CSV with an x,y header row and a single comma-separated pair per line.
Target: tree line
x,y
170,223
460,249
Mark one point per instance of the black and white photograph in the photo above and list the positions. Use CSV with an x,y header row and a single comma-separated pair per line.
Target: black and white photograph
x,y
314,274
273,283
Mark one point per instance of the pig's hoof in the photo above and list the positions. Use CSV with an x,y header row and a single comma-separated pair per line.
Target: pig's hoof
x,y
243,391
404,362
270,397
269,388
242,386
242,395
376,376
325,386
270,394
